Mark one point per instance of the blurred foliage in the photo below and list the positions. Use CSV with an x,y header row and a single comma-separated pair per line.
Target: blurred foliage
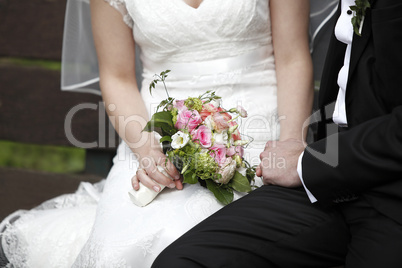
x,y
44,158
45,64
39,157
317,84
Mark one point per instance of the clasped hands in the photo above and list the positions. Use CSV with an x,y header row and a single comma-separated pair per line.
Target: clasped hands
x,y
279,163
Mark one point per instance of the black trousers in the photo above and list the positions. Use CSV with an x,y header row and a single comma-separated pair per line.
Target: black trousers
x,y
279,227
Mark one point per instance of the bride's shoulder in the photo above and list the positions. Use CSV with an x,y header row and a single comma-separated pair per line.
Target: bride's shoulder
x,y
121,6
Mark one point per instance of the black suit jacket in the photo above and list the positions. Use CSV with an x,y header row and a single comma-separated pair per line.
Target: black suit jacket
x,y
366,160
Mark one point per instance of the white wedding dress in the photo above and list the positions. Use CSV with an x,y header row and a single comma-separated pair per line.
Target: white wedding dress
x,y
223,46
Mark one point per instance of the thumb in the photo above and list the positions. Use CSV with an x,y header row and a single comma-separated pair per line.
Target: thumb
x,y
258,171
179,184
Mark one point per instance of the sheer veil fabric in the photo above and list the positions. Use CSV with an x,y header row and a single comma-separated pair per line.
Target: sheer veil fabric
x,y
206,49
79,62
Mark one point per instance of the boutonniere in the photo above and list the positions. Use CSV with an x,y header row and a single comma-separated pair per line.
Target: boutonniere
x,y
359,12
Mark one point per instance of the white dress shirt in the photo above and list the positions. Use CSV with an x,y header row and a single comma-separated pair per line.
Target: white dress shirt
x,y
344,33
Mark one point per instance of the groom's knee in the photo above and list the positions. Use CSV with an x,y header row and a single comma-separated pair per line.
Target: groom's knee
x,y
173,258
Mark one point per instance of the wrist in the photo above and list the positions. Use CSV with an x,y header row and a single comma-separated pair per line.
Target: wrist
x,y
149,146
292,136
294,131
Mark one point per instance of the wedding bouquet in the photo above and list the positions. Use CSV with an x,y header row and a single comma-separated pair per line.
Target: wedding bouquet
x,y
203,141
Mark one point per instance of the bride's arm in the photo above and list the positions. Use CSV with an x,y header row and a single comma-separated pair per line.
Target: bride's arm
x,y
290,20
116,56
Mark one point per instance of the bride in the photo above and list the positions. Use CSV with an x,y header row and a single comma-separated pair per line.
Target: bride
x,y
250,52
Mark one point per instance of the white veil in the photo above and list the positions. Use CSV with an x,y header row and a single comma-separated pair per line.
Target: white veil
x,y
79,69
79,63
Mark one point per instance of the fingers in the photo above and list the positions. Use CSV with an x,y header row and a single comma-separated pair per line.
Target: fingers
x,y
268,145
143,177
264,167
156,170
265,158
258,171
152,176
169,168
135,183
147,181
179,184
135,180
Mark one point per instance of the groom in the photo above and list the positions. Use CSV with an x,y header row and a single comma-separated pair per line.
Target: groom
x,y
338,201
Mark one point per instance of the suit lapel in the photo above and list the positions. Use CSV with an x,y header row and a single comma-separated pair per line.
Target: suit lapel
x,y
333,63
359,42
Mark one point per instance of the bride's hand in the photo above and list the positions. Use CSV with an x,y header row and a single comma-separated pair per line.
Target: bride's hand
x,y
148,173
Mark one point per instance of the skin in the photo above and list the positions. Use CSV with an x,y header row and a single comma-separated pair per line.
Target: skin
x,y
115,50
289,21
193,3
114,45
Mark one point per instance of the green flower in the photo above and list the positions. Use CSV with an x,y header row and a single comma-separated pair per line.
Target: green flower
x,y
193,104
204,166
174,113
359,12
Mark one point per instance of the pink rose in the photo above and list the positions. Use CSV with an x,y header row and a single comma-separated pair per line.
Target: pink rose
x,y
203,136
207,109
220,122
235,150
236,134
225,115
227,171
218,152
188,119
242,112
179,104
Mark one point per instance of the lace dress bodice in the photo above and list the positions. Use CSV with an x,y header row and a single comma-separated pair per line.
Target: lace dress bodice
x,y
173,31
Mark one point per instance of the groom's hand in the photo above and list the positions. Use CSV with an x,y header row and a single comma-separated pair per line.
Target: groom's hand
x,y
279,163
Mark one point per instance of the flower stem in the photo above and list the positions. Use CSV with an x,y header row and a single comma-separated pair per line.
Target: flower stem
x,y
164,85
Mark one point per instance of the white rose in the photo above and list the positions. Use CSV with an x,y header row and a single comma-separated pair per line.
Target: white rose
x,y
220,138
241,142
208,122
203,151
227,171
216,102
242,112
179,140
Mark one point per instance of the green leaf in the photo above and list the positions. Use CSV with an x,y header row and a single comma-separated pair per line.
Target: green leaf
x,y
168,130
250,173
163,118
240,183
152,85
360,10
164,73
160,120
165,138
223,195
189,178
